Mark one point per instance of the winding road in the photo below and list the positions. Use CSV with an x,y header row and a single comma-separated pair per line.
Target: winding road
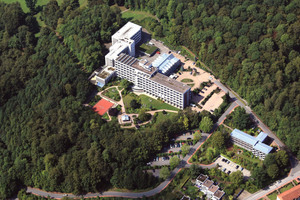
x,y
295,172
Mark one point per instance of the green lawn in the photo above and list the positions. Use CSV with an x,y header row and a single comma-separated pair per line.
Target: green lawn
x,y
273,196
112,93
105,116
187,80
40,3
127,99
160,116
136,15
149,49
286,187
191,85
148,102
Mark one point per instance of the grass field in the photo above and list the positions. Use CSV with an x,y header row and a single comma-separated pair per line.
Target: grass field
x,y
149,49
105,116
136,15
112,93
186,80
40,3
286,187
148,102
160,116
273,196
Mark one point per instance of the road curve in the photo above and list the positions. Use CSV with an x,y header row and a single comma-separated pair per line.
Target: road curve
x,y
184,163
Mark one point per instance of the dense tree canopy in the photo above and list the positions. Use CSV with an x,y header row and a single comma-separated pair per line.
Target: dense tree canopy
x,y
253,46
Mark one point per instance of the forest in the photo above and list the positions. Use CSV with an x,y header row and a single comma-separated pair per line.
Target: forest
x,y
49,140
252,46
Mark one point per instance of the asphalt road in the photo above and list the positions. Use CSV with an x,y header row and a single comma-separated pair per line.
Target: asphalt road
x,y
295,172
248,110
162,186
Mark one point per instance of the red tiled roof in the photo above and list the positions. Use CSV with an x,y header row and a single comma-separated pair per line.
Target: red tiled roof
x,y
290,194
102,106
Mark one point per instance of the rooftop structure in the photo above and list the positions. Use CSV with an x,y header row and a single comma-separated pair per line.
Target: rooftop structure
x,y
146,77
129,31
208,183
262,136
166,63
250,143
207,187
170,83
135,63
103,76
213,188
125,118
202,178
219,194
121,46
291,194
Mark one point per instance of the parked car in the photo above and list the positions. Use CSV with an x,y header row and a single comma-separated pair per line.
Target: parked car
x,y
242,169
228,172
237,167
224,170
228,162
189,138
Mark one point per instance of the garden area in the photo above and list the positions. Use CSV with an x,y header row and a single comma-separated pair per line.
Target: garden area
x,y
242,157
212,147
112,93
148,49
187,80
134,103
132,15
273,195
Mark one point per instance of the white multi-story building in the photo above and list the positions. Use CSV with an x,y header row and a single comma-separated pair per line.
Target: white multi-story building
x,y
146,77
128,31
124,41
250,143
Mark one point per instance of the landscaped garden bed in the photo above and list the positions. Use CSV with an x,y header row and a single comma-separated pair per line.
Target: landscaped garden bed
x,y
112,93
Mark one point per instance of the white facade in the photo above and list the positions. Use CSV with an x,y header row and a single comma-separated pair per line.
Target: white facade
x,y
146,77
128,31
124,41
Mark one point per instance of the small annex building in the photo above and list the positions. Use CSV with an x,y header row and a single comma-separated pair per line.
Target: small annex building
x,y
250,143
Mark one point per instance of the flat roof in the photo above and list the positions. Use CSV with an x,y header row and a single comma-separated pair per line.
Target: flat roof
x,y
102,106
116,49
170,83
208,183
256,142
127,31
263,148
292,193
262,136
202,177
133,62
165,62
219,194
213,188
244,137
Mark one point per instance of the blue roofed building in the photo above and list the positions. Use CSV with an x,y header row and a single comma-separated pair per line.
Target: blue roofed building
x,y
262,136
250,143
166,63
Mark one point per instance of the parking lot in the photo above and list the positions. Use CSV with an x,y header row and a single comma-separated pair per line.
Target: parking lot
x,y
163,160
228,167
